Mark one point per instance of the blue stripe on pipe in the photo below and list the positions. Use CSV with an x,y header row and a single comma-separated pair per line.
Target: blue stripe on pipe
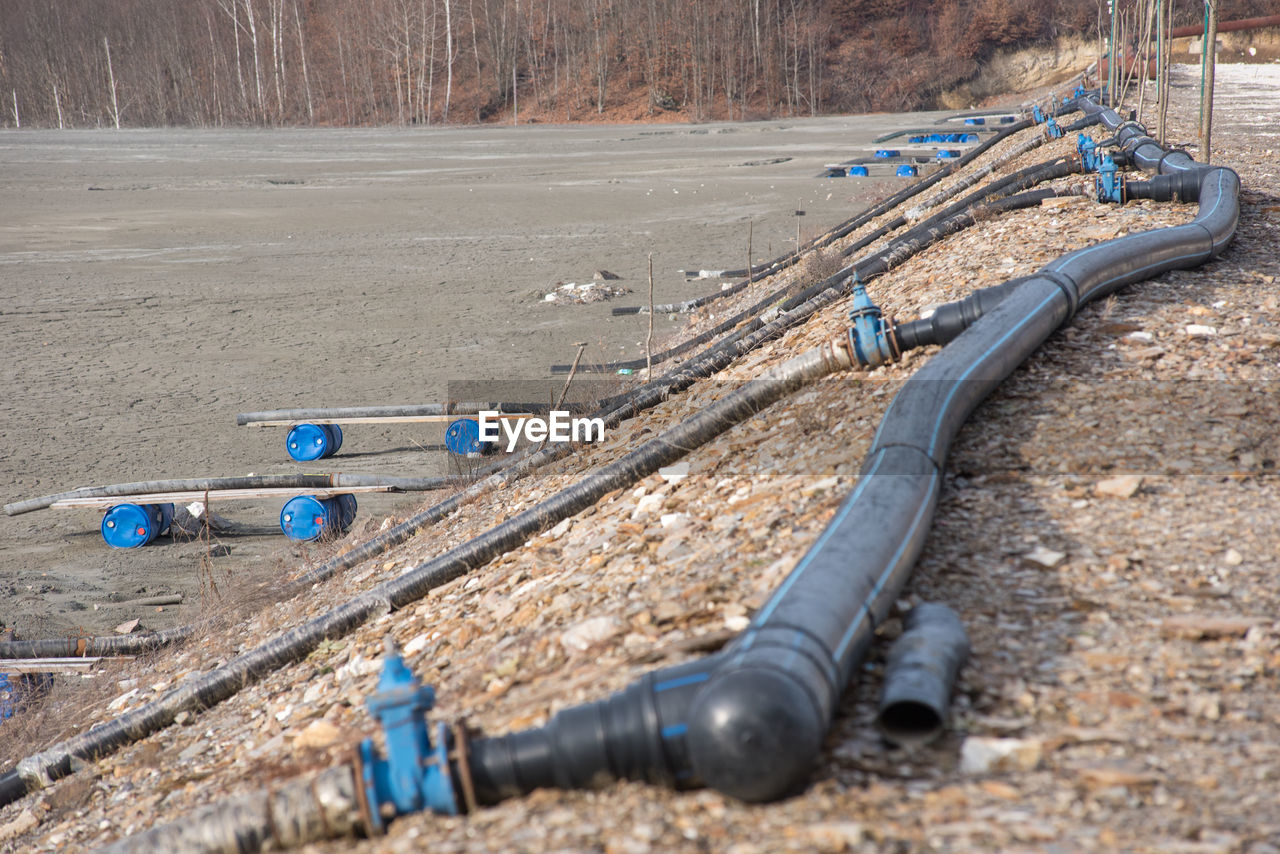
x,y
691,679
675,730
865,609
845,510
937,425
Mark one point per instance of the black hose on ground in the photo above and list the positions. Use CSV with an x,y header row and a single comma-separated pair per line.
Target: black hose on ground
x,y
750,720
920,673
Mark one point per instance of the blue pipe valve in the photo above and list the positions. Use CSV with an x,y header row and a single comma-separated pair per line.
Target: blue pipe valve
x,y
1088,151
1051,128
1036,115
869,337
1109,183
415,775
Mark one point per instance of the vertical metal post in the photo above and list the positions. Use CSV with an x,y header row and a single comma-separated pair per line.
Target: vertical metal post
x,y
1208,61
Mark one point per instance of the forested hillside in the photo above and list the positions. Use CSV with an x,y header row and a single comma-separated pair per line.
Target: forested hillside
x,y
90,63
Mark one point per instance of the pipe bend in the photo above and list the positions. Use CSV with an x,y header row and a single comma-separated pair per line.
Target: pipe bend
x,y
754,734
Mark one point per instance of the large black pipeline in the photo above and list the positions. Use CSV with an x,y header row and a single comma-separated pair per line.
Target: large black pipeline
x,y
41,769
750,720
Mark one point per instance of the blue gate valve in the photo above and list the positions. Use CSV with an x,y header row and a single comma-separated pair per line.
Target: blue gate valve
x,y
415,775
1109,183
1051,128
1036,114
1088,151
870,337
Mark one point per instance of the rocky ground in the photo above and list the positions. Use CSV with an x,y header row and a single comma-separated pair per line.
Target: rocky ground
x,y
1107,534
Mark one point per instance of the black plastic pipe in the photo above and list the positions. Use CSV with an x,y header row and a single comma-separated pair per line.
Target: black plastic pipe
x,y
920,673
87,647
750,720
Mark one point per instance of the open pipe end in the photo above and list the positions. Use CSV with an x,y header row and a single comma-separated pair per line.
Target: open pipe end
x,y
910,723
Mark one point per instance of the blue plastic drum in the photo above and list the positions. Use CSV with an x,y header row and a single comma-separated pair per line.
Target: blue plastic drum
x,y
888,152
128,526
858,172
307,442
463,439
906,170
947,154
305,517
975,121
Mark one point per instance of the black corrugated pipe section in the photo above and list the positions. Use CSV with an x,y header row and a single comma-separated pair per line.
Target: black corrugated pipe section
x,y
920,673
750,720
86,647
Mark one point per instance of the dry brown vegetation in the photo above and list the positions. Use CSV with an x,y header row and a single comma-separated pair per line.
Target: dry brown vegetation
x,y
94,63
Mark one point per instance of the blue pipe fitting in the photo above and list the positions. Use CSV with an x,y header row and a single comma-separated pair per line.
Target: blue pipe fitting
x,y
1078,93
869,335
1051,128
1088,151
1109,183
415,776
858,172
1036,114
907,170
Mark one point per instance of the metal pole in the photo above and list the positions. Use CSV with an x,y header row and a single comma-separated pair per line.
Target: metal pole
x,y
1208,61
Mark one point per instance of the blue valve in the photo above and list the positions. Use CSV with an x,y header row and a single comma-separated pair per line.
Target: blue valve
x,y
1109,183
1088,151
1078,93
1051,128
869,334
1036,114
415,775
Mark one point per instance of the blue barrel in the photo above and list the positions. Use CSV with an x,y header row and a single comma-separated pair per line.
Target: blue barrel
x,y
463,439
916,140
128,526
888,152
906,170
307,442
1007,120
858,172
936,137
969,137
835,172
305,517
975,121
947,154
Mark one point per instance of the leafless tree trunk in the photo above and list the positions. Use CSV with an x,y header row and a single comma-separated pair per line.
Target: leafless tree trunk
x,y
302,57
111,78
448,61
57,105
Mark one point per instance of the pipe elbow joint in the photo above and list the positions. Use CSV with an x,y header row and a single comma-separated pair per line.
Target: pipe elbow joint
x,y
754,734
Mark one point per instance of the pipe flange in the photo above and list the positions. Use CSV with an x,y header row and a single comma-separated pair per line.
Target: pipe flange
x,y
891,335
369,820
462,756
